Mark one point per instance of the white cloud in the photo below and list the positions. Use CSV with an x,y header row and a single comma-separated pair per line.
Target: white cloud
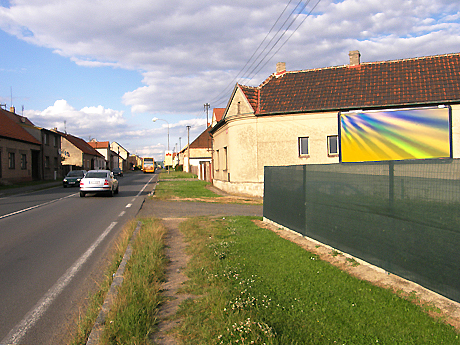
x,y
189,51
95,122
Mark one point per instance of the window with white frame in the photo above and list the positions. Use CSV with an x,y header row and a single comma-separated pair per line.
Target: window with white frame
x,y
332,145
304,150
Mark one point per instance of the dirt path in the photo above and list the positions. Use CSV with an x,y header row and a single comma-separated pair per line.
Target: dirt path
x,y
175,277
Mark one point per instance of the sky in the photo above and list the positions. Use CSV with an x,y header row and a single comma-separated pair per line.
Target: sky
x,y
103,69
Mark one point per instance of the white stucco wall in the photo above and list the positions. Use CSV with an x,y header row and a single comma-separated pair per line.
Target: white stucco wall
x,y
253,142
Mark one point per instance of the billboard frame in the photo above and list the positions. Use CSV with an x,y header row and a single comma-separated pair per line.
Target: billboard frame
x,y
339,122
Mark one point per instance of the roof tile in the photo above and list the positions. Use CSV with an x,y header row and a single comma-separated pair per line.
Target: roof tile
x,y
432,79
12,130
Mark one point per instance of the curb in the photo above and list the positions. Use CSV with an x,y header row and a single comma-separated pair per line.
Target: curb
x,y
98,326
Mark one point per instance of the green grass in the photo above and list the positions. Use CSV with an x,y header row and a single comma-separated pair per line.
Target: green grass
x,y
255,287
134,314
86,320
183,189
176,175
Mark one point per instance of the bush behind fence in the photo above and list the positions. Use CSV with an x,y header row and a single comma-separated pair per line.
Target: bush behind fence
x,y
401,216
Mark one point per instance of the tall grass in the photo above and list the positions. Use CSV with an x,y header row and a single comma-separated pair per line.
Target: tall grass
x,y
257,288
86,320
134,314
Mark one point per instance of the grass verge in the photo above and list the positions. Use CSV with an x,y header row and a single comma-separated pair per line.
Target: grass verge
x,y
183,189
86,320
256,288
133,314
176,175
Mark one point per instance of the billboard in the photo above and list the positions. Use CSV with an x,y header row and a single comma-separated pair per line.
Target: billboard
x,y
168,158
417,133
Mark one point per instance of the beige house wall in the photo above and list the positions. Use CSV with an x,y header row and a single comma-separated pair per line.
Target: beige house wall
x,y
70,153
18,174
456,131
245,144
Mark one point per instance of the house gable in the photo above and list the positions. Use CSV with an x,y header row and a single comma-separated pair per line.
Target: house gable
x,y
239,103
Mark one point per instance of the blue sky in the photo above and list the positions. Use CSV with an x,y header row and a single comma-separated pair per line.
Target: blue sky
x,y
107,68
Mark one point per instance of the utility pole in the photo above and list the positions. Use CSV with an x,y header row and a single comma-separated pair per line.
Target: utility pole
x,y
206,108
188,147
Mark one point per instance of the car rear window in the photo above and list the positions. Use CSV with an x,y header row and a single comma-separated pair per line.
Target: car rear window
x,y
75,173
96,175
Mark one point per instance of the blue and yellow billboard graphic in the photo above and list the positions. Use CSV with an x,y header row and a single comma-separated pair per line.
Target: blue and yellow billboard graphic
x,y
419,133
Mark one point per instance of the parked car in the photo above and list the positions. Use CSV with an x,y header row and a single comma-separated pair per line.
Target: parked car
x,y
117,172
99,181
73,178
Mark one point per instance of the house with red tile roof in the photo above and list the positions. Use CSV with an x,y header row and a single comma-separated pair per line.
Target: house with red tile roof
x,y
217,114
197,159
50,167
19,152
292,117
77,154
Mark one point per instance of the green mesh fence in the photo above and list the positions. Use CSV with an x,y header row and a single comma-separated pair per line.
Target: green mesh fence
x,y
401,216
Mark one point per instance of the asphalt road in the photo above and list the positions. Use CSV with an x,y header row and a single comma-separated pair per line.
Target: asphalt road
x,y
52,247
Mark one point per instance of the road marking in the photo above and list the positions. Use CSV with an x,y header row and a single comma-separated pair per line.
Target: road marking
x,y
36,206
140,192
121,214
18,332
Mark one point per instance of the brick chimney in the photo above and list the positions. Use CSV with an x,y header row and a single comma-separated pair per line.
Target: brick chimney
x,y
280,68
355,57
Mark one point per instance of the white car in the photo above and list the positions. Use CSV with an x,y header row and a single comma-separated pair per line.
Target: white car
x,y
99,181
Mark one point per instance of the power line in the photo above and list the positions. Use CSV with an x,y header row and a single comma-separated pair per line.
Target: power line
x,y
277,41
230,85
308,15
254,71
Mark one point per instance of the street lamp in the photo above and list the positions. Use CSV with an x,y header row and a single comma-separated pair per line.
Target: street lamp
x,y
156,119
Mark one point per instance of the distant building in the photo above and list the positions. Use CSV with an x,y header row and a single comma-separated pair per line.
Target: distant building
x,y
134,161
49,161
199,157
19,151
77,154
122,155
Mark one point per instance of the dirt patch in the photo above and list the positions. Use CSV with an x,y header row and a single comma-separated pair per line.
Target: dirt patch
x,y
436,305
221,200
175,278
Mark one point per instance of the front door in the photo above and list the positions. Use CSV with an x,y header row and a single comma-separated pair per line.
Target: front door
x,y
35,165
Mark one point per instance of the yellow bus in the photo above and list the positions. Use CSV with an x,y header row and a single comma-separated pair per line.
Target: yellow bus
x,y
148,165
